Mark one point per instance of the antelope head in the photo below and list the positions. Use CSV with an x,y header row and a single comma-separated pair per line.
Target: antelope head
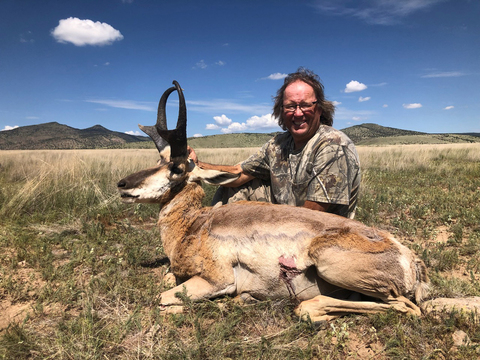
x,y
174,170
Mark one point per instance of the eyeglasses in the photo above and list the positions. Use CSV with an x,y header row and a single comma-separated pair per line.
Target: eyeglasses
x,y
290,108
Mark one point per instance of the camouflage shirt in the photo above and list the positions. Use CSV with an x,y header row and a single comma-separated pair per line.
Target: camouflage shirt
x,y
326,170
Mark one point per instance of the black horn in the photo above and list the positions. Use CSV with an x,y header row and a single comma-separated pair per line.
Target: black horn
x,y
161,124
177,138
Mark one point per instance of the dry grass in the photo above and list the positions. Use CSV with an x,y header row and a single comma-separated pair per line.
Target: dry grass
x,y
72,284
401,157
48,180
394,157
230,156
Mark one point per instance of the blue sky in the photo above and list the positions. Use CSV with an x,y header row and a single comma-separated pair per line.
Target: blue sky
x,y
408,64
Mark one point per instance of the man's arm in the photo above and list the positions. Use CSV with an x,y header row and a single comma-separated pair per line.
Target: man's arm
x,y
234,169
331,169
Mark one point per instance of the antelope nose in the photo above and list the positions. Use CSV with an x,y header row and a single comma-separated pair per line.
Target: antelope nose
x,y
122,183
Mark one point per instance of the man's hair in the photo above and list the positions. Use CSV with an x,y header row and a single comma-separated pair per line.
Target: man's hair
x,y
310,78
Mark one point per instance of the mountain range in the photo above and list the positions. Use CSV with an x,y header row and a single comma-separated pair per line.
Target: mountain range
x,y
58,136
53,135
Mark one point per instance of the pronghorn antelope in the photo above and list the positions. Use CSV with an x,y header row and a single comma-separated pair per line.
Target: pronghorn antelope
x,y
330,264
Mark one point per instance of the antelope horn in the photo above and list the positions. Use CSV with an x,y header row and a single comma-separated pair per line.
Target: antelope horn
x,y
177,138
161,124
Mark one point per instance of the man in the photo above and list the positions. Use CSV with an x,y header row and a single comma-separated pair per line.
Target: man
x,y
311,164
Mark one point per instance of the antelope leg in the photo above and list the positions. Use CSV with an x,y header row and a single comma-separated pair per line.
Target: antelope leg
x,y
196,288
324,308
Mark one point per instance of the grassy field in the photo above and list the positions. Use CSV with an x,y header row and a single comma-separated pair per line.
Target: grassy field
x,y
77,280
419,139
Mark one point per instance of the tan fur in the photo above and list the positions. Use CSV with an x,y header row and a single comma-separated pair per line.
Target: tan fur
x,y
261,251
346,239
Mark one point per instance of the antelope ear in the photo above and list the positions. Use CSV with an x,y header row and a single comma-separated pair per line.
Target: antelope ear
x,y
212,177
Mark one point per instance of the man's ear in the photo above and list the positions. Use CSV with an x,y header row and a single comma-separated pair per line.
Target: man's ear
x,y
213,177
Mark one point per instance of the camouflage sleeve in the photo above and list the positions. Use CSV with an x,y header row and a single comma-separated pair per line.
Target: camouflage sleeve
x,y
258,164
330,181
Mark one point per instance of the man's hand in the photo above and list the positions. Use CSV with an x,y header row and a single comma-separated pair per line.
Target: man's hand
x,y
192,154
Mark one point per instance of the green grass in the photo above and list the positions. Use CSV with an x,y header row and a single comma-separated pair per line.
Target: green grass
x,y
74,257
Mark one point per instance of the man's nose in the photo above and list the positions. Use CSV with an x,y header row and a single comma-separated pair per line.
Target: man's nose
x,y
298,111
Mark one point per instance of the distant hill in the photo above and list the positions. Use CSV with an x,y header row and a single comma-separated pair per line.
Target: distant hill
x,y
373,134
470,134
230,140
419,139
358,133
57,136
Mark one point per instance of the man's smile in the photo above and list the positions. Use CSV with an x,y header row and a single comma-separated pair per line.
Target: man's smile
x,y
298,122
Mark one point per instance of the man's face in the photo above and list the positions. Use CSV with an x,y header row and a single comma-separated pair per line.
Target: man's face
x,y
302,124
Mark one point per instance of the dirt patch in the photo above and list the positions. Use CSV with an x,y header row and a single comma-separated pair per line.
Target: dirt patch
x,y
367,347
18,294
442,234
13,312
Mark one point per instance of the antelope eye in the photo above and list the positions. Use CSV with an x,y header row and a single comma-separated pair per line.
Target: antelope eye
x,y
176,170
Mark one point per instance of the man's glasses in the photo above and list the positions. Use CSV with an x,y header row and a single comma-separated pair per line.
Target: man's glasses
x,y
290,108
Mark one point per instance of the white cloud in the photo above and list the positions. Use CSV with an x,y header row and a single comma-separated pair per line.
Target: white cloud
x,y
358,118
197,135
7,127
412,106
222,120
234,127
200,65
354,86
362,99
336,103
275,76
262,122
85,32
448,107
379,12
444,74
252,124
203,65
385,105
212,127
126,104
136,133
